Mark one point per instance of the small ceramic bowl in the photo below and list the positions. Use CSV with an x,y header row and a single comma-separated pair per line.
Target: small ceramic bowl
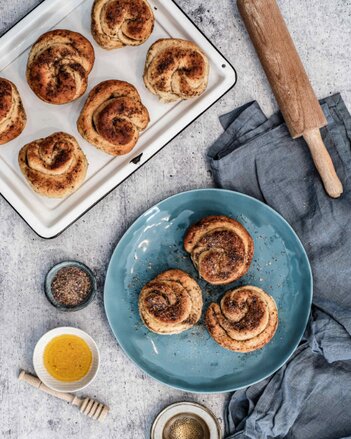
x,y
185,420
50,381
50,277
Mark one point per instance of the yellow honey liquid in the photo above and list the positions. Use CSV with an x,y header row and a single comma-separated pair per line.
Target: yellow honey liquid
x,y
67,358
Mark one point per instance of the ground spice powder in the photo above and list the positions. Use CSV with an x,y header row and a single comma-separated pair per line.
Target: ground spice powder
x,y
71,286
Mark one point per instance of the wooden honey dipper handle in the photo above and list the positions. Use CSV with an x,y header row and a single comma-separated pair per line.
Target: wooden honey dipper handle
x,y
289,81
38,384
90,407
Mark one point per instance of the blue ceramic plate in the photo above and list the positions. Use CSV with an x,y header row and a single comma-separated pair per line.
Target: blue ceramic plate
x,y
192,361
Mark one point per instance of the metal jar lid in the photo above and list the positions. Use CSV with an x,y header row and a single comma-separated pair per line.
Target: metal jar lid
x,y
185,420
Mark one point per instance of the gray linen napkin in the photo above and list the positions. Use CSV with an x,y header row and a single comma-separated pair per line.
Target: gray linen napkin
x,y
309,397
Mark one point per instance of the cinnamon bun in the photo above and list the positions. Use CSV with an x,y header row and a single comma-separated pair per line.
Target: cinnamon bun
x,y
118,23
112,117
176,69
12,115
58,66
54,166
171,303
245,320
220,248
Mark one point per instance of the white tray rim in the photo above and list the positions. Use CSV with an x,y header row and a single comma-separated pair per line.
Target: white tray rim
x,y
51,232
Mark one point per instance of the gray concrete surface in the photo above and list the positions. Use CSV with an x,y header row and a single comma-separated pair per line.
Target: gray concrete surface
x,y
321,29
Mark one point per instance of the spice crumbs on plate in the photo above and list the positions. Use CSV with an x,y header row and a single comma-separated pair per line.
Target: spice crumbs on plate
x,y
71,286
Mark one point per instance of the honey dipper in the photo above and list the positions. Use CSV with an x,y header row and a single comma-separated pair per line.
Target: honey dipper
x,y
88,406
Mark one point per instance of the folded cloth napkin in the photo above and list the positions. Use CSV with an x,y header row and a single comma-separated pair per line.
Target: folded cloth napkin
x,y
310,396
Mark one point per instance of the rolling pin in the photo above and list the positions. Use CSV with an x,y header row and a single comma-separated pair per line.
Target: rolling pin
x,y
292,89
89,407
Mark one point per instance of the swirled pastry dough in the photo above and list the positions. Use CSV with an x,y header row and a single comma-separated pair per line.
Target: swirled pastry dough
x,y
54,166
176,69
12,115
171,303
112,117
118,23
220,248
245,320
58,66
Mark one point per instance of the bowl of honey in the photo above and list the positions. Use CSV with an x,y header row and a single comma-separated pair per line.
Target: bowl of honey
x,y
66,359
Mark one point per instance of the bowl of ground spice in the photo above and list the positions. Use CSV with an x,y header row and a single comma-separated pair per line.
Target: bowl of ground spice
x,y
70,286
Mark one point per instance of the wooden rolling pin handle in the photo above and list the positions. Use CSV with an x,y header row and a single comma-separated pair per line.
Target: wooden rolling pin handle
x,y
323,163
38,384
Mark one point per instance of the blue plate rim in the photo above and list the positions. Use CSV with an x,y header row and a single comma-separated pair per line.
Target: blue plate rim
x,y
227,389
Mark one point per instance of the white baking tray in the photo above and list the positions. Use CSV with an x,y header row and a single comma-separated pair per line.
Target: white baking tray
x,y
49,217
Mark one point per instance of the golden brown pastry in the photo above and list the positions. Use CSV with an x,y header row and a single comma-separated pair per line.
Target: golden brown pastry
x,y
58,66
171,303
118,23
112,117
220,248
12,115
176,69
54,166
245,320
